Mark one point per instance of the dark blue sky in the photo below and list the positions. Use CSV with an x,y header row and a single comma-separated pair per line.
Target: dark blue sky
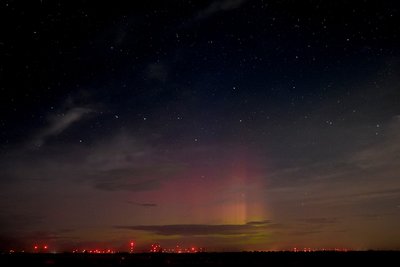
x,y
229,124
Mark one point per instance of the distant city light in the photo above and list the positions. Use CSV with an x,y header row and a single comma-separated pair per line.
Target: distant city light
x,y
155,248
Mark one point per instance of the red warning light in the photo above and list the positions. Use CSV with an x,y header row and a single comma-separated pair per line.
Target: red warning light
x,y
132,245
45,247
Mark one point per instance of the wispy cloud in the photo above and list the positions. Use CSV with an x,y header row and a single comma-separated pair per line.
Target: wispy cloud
x,y
59,123
218,6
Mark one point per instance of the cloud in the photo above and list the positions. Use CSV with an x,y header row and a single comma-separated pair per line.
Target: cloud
x,y
134,178
201,229
359,197
145,205
218,6
60,123
10,219
49,235
251,230
345,184
319,221
259,223
384,153
120,163
379,156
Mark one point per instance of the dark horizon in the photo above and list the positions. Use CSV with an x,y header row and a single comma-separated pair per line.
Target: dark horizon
x,y
366,258
226,124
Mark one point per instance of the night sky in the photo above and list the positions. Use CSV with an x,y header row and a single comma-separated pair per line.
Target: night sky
x,y
225,124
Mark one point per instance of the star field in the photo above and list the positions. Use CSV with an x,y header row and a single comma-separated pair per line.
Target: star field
x,y
229,124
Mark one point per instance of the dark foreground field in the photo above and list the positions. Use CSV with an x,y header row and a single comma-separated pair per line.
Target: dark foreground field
x,y
380,258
